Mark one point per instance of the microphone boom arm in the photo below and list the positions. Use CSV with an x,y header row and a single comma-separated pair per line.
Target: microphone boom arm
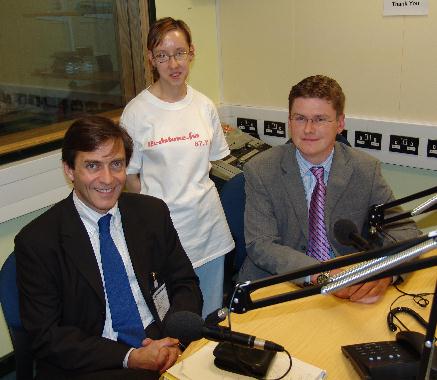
x,y
377,212
243,302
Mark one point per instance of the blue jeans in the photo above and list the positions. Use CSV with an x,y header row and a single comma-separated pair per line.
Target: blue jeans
x,y
211,284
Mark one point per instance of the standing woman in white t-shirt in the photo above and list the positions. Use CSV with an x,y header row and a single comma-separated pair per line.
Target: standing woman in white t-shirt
x,y
177,132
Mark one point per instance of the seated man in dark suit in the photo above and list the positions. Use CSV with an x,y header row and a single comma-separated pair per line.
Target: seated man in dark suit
x,y
100,271
296,192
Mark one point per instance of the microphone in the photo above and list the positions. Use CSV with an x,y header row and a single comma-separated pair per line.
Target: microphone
x,y
346,233
216,316
187,326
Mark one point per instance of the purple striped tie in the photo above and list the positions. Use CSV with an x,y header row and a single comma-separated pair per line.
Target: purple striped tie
x,y
318,245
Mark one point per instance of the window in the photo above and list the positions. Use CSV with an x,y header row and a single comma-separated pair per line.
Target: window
x,y
61,59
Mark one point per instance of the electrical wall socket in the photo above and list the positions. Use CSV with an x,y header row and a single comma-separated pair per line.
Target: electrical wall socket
x,y
425,158
274,128
248,126
404,144
431,149
369,140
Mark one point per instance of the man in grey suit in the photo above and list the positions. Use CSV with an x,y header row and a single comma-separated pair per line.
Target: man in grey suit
x,y
281,187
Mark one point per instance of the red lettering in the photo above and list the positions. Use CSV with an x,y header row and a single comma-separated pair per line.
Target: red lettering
x,y
190,136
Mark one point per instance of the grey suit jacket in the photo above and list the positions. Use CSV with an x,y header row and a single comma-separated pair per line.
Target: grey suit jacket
x,y
276,214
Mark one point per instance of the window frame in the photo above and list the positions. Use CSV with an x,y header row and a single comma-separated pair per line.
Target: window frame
x,y
29,184
132,21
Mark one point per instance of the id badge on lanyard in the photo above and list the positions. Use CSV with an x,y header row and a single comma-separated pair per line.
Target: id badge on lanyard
x,y
159,295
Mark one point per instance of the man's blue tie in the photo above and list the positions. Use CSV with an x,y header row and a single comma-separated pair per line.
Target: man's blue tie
x,y
126,320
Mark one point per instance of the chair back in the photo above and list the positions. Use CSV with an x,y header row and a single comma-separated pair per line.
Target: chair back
x,y
19,337
233,198
342,139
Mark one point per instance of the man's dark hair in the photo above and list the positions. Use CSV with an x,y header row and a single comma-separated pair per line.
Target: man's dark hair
x,y
88,133
321,87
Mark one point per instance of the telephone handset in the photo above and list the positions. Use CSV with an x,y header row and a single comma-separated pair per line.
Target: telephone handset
x,y
398,359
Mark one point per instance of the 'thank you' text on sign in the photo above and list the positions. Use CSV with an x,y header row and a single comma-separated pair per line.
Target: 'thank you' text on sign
x,y
406,8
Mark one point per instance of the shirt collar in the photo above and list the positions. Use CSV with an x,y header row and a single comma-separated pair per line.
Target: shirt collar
x,y
90,216
305,166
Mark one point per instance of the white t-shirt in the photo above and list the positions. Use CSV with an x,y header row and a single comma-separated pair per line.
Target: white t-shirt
x,y
173,146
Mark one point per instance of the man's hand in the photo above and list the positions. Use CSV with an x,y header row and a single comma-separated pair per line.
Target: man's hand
x,y
156,355
367,292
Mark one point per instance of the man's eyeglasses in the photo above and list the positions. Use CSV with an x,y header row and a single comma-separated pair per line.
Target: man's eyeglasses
x,y
317,121
162,57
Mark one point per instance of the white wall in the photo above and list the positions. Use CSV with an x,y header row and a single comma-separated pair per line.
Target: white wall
x,y
200,16
386,65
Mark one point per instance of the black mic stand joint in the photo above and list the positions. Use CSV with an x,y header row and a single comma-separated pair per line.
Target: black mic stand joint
x,y
377,217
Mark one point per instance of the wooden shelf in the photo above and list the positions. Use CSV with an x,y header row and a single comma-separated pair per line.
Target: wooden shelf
x,y
95,76
36,136
42,135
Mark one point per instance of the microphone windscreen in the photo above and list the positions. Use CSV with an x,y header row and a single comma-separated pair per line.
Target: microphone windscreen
x,y
343,228
184,325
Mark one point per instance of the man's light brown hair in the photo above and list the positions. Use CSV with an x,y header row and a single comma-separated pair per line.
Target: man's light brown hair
x,y
321,87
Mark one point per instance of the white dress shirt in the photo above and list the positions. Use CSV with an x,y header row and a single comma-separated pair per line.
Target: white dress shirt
x,y
90,220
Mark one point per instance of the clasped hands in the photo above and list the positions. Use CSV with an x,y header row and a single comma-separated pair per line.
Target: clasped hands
x,y
156,355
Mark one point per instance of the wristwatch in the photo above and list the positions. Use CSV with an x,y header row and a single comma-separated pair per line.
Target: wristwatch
x,y
323,278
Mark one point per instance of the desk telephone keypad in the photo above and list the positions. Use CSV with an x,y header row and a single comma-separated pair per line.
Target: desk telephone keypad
x,y
382,360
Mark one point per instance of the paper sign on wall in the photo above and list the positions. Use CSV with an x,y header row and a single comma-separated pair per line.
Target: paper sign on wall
x,y
405,7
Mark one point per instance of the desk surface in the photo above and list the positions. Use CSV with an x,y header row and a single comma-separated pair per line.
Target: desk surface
x,y
313,329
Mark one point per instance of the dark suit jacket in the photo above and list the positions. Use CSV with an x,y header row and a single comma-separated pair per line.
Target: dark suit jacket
x,y
276,214
62,301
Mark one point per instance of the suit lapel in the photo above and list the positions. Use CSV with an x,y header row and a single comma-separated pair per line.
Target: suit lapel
x,y
137,241
292,182
339,177
77,246
139,244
